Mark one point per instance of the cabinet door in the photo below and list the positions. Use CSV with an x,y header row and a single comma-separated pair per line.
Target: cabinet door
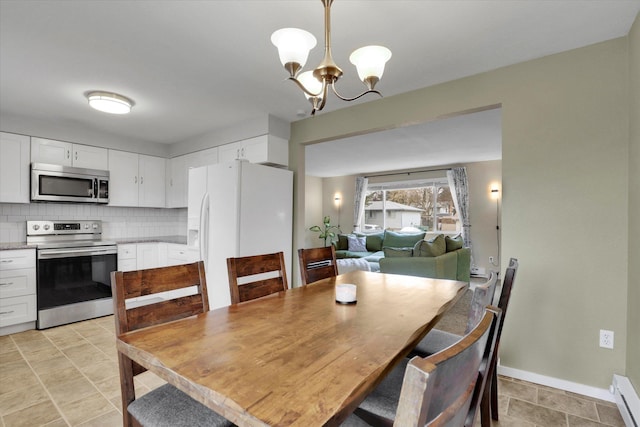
x,y
86,156
203,158
51,151
151,189
15,283
177,176
147,256
14,168
16,310
266,149
123,179
229,152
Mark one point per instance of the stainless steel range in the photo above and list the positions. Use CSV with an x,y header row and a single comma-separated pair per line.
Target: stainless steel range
x,y
73,267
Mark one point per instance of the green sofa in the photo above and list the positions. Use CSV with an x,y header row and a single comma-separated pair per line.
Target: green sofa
x,y
401,253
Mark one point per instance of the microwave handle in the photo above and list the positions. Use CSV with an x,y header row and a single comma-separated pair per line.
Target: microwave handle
x,y
95,188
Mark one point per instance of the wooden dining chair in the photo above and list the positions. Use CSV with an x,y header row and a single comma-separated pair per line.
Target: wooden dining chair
x,y
272,276
317,264
165,405
489,404
437,340
443,389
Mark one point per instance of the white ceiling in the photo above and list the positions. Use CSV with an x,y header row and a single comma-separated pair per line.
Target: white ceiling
x,y
196,66
464,139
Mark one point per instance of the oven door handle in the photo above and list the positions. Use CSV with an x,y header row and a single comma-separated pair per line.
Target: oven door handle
x,y
69,253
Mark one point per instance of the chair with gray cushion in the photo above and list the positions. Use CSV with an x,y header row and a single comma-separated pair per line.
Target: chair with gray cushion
x,y
165,405
443,389
490,398
437,340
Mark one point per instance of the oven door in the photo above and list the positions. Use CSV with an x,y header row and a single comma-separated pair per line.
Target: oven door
x,y
74,284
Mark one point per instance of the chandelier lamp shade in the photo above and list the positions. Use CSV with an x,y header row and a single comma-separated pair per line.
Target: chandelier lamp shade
x,y
109,102
293,48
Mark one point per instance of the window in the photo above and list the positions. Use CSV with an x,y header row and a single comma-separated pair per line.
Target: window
x,y
425,205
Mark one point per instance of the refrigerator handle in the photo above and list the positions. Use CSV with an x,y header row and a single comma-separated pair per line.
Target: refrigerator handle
x,y
204,229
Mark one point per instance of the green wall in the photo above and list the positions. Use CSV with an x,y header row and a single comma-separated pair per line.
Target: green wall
x,y
633,344
565,197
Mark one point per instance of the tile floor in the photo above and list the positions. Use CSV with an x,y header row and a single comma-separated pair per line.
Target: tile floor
x,y
68,376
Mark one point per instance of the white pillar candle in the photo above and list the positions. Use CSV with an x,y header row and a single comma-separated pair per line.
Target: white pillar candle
x,y
346,293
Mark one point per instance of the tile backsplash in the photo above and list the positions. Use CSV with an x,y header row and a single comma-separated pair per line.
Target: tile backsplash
x,y
117,223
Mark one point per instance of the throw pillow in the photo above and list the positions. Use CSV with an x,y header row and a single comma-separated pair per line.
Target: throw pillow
x,y
343,243
401,240
357,244
431,248
374,242
397,252
454,243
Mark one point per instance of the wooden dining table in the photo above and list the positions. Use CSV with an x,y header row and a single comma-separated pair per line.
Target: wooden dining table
x,y
296,358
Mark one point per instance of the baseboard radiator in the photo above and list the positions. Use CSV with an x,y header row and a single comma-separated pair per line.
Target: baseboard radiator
x,y
627,400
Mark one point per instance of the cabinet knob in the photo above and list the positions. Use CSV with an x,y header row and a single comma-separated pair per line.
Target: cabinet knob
x,y
135,179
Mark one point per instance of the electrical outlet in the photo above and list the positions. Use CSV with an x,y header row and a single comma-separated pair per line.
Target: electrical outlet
x,y
491,259
606,339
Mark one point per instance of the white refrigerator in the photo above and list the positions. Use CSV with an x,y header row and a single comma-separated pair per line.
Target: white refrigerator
x,y
238,209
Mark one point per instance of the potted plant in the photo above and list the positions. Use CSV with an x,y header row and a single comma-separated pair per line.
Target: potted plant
x,y
326,230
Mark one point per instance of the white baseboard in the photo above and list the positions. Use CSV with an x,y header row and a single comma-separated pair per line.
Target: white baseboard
x,y
627,399
585,390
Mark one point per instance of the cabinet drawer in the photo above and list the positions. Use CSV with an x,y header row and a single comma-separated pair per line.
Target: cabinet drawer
x,y
15,283
14,259
127,264
178,252
127,251
17,310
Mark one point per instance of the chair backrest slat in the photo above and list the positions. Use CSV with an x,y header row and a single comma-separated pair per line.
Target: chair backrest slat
x,y
244,267
317,264
482,297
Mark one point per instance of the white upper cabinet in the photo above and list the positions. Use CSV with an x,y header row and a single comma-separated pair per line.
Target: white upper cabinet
x,y
14,168
178,174
68,154
264,149
151,189
123,178
136,180
86,156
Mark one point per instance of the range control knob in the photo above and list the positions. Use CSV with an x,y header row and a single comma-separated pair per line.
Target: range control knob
x,y
46,226
95,226
86,226
36,227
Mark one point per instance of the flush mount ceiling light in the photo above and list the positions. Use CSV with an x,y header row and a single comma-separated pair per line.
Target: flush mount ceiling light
x,y
109,102
293,48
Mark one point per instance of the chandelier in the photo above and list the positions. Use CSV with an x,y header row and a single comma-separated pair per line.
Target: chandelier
x,y
294,45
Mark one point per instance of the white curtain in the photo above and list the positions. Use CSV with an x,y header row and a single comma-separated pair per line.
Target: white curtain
x,y
459,187
358,205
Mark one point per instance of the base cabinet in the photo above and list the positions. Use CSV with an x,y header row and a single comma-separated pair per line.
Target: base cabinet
x,y
17,291
141,256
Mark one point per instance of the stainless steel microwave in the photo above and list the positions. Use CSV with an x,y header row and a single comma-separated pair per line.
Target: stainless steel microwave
x,y
55,183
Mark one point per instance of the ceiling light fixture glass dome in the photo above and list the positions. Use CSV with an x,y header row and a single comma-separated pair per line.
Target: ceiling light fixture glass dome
x,y
109,102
